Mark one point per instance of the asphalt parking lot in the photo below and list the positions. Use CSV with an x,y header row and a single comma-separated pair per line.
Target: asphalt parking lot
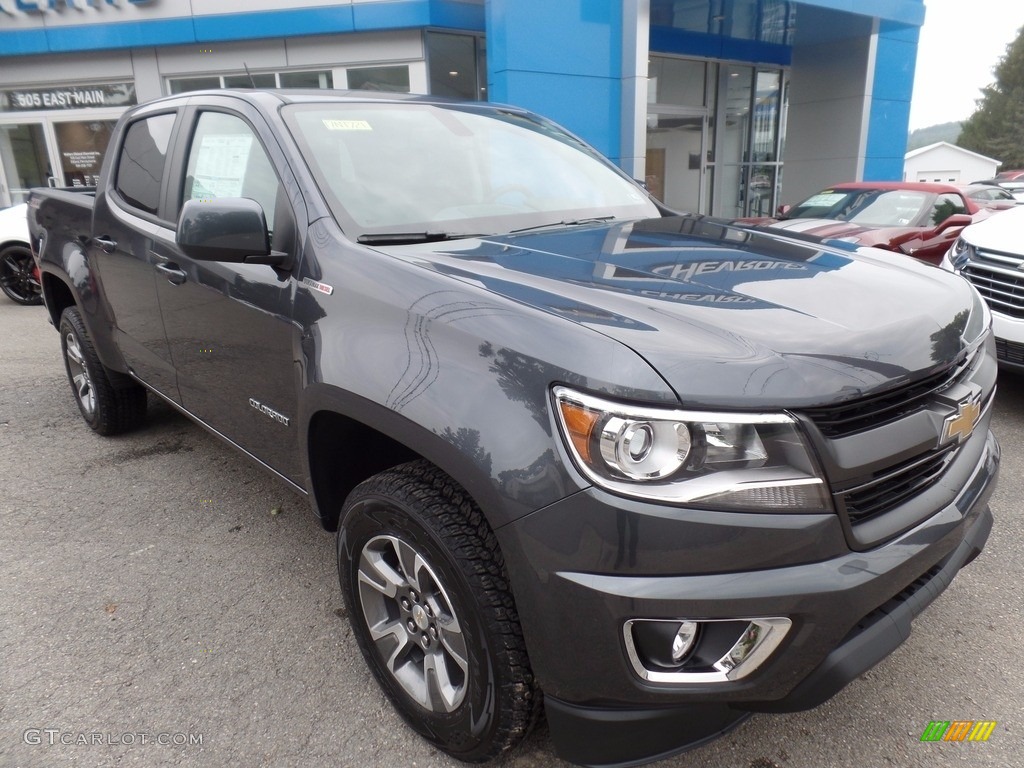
x,y
156,612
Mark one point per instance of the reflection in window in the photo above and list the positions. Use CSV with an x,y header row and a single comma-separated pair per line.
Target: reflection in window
x,y
140,169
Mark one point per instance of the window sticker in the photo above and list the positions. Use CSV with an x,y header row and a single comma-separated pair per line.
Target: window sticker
x,y
823,200
347,125
220,165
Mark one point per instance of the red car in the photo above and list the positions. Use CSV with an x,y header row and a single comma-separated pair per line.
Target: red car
x,y
915,218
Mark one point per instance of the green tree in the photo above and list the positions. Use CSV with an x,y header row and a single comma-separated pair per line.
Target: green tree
x,y
996,128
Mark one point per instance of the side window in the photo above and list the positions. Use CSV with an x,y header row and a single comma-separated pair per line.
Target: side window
x,y
945,206
140,166
227,160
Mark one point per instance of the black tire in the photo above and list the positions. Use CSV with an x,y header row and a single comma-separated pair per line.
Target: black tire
x,y
458,598
18,278
109,402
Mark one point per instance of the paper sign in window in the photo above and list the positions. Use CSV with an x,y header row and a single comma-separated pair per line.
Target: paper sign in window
x,y
220,165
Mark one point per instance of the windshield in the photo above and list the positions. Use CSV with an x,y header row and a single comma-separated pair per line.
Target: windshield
x,y
868,207
454,170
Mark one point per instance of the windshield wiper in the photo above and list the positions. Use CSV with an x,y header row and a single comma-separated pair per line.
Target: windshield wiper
x,y
401,238
569,223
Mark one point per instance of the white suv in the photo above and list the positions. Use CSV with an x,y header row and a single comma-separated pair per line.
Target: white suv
x,y
990,254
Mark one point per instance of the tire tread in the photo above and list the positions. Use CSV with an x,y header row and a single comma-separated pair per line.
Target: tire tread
x,y
444,507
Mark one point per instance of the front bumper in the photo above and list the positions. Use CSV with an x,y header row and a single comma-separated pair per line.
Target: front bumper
x,y
1009,333
586,565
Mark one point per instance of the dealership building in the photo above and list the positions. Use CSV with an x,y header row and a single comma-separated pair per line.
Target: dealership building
x,y
726,107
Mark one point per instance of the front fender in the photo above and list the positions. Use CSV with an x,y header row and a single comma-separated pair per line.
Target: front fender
x,y
460,375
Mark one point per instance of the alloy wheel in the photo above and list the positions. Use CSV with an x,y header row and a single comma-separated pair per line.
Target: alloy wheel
x,y
413,624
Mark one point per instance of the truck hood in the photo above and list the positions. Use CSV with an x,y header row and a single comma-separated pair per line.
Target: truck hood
x,y
729,316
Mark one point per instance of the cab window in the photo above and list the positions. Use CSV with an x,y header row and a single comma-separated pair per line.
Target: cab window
x,y
227,160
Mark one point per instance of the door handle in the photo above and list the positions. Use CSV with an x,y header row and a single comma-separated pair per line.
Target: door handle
x,y
172,272
105,243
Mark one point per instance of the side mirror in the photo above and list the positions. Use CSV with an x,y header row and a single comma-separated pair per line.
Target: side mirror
x,y
956,220
232,229
782,210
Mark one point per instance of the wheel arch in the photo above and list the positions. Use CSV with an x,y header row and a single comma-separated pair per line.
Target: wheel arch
x,y
348,439
57,296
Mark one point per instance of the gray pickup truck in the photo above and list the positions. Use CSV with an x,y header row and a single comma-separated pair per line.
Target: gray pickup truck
x,y
649,473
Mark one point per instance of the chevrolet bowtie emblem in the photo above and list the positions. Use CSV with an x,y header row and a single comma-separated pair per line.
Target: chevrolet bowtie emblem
x,y
959,426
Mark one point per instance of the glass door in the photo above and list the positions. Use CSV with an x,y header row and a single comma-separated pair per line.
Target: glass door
x,y
676,159
25,161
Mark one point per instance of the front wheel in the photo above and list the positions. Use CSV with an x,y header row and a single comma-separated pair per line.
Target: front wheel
x,y
19,278
110,403
431,609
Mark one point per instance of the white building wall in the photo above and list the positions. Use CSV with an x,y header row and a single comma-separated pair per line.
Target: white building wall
x,y
949,164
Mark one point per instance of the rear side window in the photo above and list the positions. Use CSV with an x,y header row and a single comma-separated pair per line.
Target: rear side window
x,y
140,166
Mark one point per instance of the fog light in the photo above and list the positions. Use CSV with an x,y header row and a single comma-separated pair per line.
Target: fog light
x,y
683,642
682,651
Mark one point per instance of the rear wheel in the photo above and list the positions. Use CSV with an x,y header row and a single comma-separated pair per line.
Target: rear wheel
x,y
19,279
109,402
431,609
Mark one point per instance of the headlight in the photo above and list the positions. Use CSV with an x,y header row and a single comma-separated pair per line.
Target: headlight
x,y
960,254
741,461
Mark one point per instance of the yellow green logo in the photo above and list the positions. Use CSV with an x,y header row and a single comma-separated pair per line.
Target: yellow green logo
x,y
958,730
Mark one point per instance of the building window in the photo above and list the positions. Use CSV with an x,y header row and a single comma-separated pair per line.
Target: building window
x,y
457,65
392,78
185,84
257,80
317,79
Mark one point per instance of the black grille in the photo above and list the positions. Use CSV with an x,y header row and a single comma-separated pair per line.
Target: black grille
x,y
998,280
895,486
869,412
1010,351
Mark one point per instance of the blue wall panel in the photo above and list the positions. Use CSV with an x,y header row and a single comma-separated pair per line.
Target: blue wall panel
x,y
895,60
575,79
20,43
248,26
903,11
126,34
685,42
399,14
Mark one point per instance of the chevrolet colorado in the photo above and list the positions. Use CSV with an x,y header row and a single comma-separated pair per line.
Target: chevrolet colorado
x,y
647,471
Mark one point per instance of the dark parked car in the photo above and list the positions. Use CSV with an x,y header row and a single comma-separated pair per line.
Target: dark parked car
x,y
657,471
915,218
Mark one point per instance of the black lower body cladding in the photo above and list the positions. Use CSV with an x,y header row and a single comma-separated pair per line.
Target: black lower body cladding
x,y
592,568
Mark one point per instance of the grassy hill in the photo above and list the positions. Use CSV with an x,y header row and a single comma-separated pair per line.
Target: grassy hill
x,y
933,134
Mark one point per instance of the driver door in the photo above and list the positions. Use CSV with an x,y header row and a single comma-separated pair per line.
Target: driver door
x,y
229,326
